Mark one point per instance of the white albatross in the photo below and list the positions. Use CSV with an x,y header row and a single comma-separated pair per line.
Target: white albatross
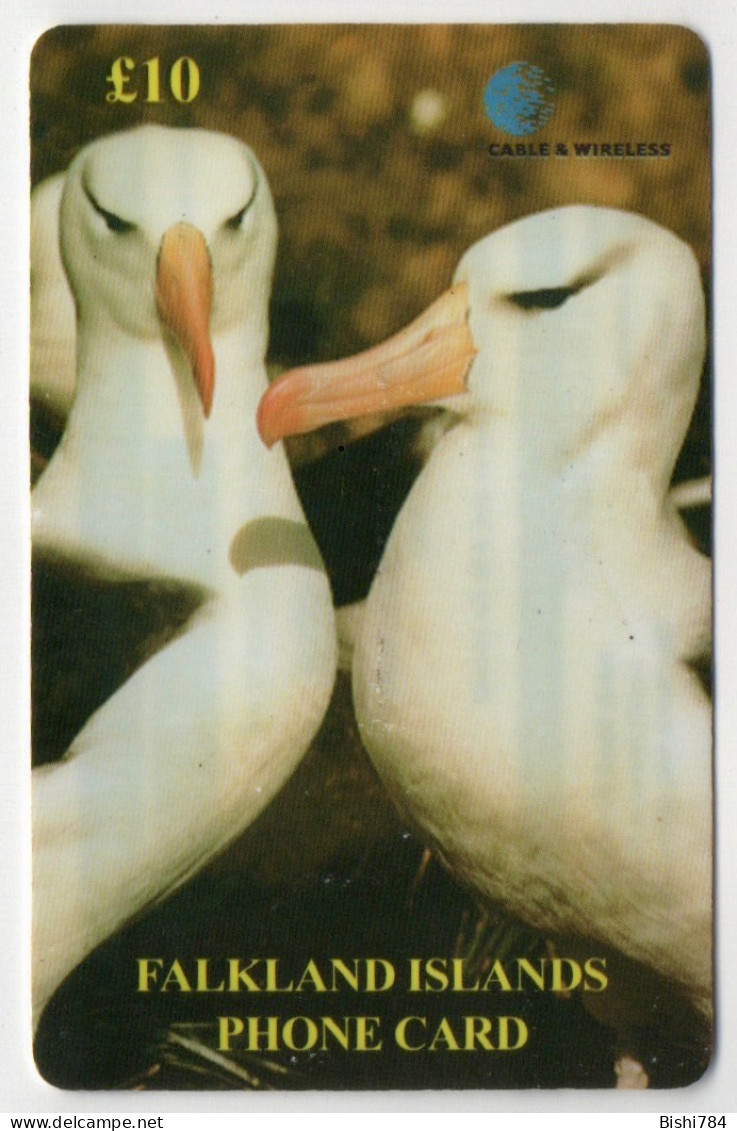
x,y
522,674
53,353
168,238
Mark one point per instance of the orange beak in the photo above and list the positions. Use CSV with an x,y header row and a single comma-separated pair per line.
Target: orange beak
x,y
426,361
184,301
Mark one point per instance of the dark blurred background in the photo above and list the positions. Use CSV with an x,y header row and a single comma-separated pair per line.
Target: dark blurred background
x,y
375,142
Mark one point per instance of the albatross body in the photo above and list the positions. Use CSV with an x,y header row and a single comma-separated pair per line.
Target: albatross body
x,y
522,674
53,354
168,238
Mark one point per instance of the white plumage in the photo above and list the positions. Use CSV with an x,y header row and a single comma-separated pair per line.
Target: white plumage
x,y
168,239
53,355
521,673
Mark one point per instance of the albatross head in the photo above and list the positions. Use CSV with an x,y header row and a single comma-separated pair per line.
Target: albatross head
x,y
569,321
170,233
588,317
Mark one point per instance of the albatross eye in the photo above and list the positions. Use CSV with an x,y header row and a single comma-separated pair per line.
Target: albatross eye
x,y
547,298
235,222
114,223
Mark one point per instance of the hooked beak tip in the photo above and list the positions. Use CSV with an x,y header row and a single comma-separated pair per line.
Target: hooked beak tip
x,y
269,435
427,361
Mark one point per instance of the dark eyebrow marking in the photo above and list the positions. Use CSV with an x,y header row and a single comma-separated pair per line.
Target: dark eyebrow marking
x,y
547,298
114,223
235,221
550,298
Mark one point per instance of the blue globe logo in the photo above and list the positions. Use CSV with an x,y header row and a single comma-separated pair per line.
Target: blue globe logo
x,y
518,99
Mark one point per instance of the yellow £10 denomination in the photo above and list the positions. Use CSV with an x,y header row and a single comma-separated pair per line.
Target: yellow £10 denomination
x,y
184,80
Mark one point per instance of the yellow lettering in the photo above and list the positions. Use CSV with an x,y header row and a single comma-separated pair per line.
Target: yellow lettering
x,y
184,80
444,1037
458,972
558,983
271,1033
367,1039
342,1036
177,977
537,976
435,969
146,975
119,80
239,974
599,976
312,978
154,82
400,1034
272,978
311,1034
373,967
477,1029
522,1033
203,978
193,79
497,976
228,1027
349,976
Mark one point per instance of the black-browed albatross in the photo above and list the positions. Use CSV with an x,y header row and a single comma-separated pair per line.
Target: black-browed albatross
x,y
522,673
168,239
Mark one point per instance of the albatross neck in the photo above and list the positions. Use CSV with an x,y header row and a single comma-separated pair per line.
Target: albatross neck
x,y
142,481
142,394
